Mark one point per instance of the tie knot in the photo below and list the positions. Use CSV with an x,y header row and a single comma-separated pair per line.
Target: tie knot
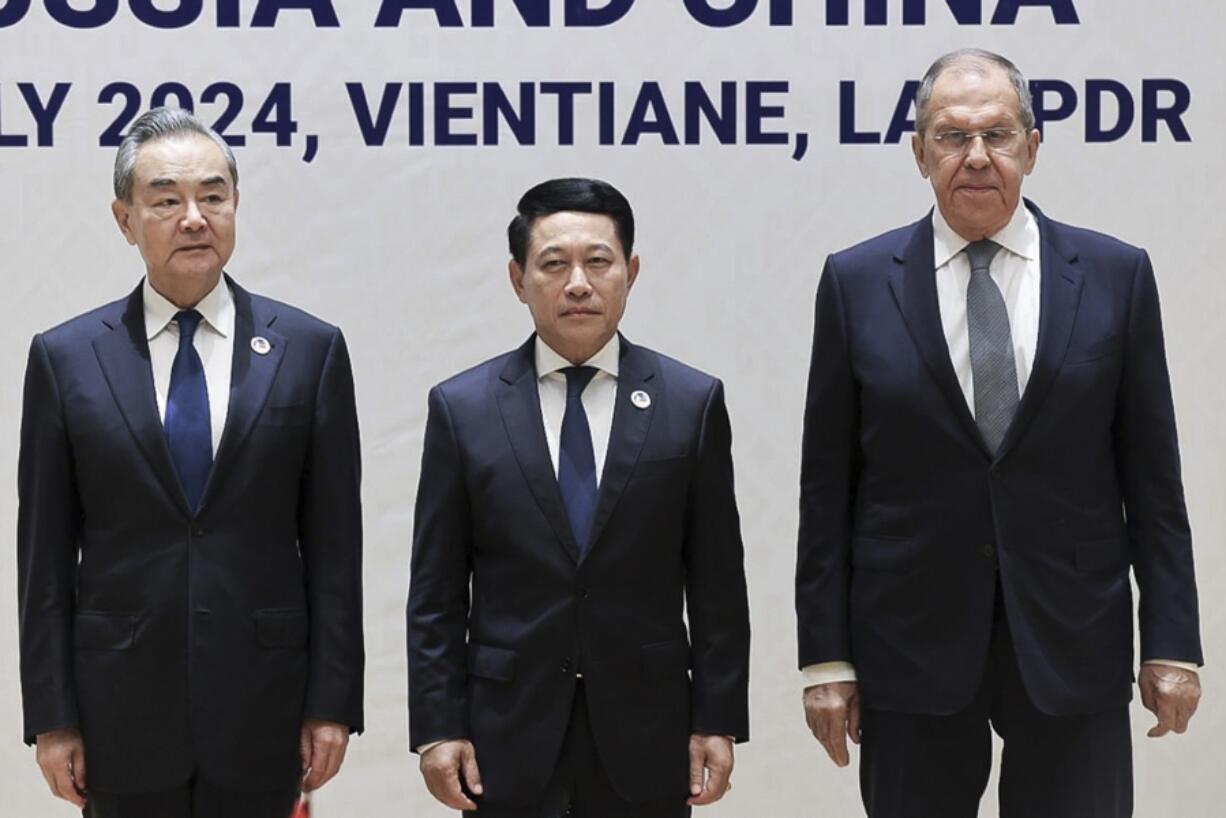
x,y
981,254
188,321
577,379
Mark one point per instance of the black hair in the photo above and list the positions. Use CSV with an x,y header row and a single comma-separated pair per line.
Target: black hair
x,y
572,194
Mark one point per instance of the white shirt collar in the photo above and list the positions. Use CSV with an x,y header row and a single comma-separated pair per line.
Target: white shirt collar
x,y
217,309
1020,236
549,361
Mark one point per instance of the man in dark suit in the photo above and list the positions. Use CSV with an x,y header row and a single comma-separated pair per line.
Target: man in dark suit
x,y
189,534
989,446
576,493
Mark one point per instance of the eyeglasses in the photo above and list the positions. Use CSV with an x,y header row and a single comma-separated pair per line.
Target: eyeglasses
x,y
998,140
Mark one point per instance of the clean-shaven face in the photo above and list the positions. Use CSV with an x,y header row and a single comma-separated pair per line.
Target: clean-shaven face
x,y
181,216
977,186
575,281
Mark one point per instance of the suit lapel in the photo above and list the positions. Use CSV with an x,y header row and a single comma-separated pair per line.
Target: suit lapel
x,y
519,403
251,377
1059,297
913,282
123,355
636,372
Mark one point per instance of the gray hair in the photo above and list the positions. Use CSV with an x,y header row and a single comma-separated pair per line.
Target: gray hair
x,y
973,59
161,123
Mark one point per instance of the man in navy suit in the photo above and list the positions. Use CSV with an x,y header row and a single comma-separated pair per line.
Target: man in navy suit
x,y
989,446
576,496
189,533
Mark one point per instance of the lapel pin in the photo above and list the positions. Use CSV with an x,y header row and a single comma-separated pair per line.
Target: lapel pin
x,y
640,399
260,345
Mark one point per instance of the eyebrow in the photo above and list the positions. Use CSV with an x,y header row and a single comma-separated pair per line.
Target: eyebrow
x,y
169,181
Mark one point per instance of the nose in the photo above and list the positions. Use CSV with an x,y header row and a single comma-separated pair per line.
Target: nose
x,y
193,219
977,153
577,284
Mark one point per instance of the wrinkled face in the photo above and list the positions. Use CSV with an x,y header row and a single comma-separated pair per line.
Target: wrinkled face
x,y
575,281
977,185
181,216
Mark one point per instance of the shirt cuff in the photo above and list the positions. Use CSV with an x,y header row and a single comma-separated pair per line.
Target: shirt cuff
x,y
824,673
1192,666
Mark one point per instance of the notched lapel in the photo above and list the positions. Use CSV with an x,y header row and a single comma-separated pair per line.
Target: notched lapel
x,y
1060,285
913,283
636,371
123,354
251,379
519,403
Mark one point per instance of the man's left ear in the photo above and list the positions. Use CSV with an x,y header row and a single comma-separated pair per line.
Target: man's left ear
x,y
632,271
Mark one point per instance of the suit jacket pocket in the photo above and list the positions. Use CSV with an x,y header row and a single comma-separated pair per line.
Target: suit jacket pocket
x,y
665,659
1102,555
883,553
1091,352
491,663
281,627
97,630
297,414
662,467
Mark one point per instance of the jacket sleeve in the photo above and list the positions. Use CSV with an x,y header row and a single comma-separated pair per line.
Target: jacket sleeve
x,y
330,536
1147,463
716,598
48,523
827,484
439,573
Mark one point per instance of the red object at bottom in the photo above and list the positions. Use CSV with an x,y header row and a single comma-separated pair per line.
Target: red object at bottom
x,y
303,808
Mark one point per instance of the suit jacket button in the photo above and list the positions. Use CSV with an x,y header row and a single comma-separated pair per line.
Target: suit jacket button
x,y
566,665
199,532
989,551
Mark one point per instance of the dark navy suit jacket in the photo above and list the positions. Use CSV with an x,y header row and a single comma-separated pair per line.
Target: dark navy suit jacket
x,y
907,520
179,641
503,614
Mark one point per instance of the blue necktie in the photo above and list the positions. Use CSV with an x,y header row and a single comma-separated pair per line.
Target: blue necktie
x,y
188,431
576,461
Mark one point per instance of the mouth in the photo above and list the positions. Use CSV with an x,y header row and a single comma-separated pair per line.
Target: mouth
x,y
579,313
192,248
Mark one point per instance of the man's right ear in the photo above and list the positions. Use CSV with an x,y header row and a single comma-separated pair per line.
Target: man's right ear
x,y
516,274
123,218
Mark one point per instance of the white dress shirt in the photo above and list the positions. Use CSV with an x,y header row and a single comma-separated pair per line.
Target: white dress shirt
x,y
598,398
214,343
1016,270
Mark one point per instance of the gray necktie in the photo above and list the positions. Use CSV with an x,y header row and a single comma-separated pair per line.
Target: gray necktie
x,y
995,372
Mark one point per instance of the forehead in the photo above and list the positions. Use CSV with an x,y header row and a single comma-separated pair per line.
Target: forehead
x,y
573,229
973,93
182,158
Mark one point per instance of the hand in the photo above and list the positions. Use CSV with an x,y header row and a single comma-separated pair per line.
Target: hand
x,y
1170,693
712,754
322,745
441,767
833,713
61,757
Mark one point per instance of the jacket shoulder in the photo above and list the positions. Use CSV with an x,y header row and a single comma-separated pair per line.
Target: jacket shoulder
x,y
86,326
1093,245
470,383
291,319
873,254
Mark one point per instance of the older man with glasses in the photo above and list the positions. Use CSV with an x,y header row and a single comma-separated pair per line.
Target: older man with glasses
x,y
989,447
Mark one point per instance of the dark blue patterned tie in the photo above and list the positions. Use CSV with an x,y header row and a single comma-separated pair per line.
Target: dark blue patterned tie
x,y
576,461
188,431
992,365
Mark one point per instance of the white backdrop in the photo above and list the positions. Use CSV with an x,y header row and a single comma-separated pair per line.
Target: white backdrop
x,y
404,248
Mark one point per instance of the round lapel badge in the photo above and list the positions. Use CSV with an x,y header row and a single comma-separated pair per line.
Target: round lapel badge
x,y
260,345
640,399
